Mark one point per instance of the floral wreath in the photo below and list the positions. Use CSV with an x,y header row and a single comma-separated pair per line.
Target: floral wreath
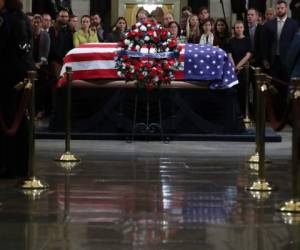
x,y
148,55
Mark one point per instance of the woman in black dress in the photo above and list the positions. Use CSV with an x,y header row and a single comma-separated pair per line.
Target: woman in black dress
x,y
240,53
15,60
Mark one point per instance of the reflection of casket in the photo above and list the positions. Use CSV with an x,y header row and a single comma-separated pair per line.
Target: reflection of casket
x,y
104,103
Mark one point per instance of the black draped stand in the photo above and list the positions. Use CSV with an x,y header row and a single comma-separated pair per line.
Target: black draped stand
x,y
186,111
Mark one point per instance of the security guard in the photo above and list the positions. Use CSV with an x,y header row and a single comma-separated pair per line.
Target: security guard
x,y
15,60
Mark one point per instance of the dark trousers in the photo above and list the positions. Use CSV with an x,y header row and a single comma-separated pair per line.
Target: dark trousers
x,y
241,91
13,149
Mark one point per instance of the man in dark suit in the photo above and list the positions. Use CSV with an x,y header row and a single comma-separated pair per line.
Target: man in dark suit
x,y
253,30
277,37
240,6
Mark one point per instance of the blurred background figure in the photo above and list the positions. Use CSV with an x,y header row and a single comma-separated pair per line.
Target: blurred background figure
x,y
61,42
222,33
269,15
85,34
118,30
203,14
175,30
41,48
207,36
295,9
186,11
142,15
192,29
96,25
168,17
46,22
74,23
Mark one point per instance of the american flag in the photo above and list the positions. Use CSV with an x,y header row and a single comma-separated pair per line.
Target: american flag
x,y
198,62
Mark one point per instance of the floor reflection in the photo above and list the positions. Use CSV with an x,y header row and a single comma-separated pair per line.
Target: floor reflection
x,y
147,202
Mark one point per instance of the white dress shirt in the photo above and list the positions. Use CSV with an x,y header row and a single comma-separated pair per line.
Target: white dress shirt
x,y
280,24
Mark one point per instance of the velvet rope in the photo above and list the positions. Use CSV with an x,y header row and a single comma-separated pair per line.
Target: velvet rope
x,y
276,124
19,115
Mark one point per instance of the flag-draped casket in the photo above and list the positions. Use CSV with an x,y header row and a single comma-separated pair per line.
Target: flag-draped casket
x,y
197,63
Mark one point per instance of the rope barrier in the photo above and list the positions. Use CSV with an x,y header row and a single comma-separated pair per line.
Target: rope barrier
x,y
19,114
276,124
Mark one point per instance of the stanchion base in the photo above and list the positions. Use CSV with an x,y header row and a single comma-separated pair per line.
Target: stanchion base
x,y
68,166
67,157
261,186
260,196
291,218
32,184
33,194
255,159
291,206
247,122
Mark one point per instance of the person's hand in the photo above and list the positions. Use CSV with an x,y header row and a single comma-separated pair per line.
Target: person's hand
x,y
266,64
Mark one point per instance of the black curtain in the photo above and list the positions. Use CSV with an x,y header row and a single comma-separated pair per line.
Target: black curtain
x,y
197,4
102,7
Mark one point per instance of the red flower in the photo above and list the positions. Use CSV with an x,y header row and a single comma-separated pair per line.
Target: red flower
x,y
141,77
172,43
164,35
140,34
154,72
150,32
166,66
155,39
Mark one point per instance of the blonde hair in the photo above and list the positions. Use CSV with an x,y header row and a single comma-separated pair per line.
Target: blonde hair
x,y
188,28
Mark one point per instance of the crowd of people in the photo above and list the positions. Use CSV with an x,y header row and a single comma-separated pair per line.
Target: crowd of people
x,y
262,39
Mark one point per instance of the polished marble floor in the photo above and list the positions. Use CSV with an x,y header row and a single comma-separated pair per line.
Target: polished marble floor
x,y
150,195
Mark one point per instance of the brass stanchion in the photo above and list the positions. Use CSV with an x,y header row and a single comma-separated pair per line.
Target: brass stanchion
x,y
67,156
259,82
293,205
32,183
247,120
260,185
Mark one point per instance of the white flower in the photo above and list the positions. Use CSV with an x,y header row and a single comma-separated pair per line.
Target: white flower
x,y
164,44
120,73
136,30
144,50
137,47
145,73
127,41
155,79
154,34
138,24
146,38
167,49
143,28
148,25
152,50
